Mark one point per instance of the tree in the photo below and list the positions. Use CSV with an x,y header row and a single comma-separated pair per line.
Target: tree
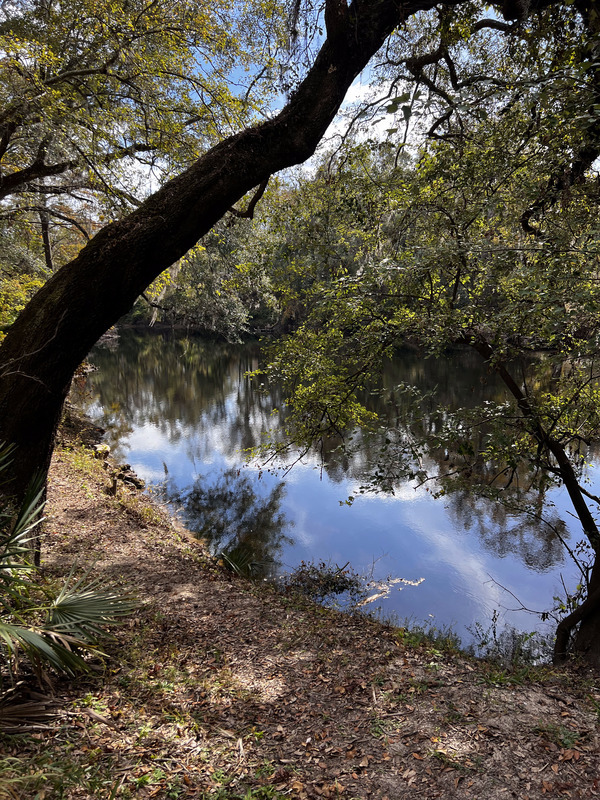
x,y
88,84
59,325
56,329
98,94
493,242
217,288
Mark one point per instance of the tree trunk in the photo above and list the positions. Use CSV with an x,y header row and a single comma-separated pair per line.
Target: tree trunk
x,y
586,643
587,615
84,298
45,226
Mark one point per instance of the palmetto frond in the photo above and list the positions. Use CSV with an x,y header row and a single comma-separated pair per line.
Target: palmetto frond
x,y
44,646
84,609
54,629
14,540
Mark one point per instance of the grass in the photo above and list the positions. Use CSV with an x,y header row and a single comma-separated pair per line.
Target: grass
x,y
437,640
493,674
559,735
137,505
83,460
52,773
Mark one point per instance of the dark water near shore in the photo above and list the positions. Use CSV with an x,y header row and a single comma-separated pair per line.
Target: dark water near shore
x,y
182,413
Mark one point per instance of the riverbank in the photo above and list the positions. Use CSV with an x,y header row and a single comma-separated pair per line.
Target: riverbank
x,y
218,688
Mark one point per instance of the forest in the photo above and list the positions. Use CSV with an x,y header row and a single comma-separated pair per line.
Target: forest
x,y
341,178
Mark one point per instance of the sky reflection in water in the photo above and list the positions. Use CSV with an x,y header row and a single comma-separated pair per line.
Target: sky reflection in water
x,y
181,409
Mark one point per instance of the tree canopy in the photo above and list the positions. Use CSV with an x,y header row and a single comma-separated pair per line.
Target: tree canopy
x,y
102,100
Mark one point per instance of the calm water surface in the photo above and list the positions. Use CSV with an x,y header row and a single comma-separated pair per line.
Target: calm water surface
x,y
181,412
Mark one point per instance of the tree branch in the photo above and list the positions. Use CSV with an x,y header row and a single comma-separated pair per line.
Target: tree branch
x,y
249,212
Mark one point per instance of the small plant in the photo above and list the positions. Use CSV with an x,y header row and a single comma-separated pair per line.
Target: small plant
x,y
240,560
511,649
438,640
558,734
328,584
48,626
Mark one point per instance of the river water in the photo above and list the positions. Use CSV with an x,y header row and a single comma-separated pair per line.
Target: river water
x,y
182,413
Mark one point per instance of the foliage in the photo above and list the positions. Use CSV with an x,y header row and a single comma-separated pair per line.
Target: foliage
x,y
217,290
103,99
508,647
455,264
50,626
488,238
112,81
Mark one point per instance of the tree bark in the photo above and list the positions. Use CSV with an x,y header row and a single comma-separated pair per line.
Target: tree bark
x,y
45,226
586,643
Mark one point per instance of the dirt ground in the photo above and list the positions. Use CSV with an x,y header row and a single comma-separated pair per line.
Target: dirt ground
x,y
219,688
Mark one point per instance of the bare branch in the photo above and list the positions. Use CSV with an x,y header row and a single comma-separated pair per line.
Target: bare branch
x,y
249,212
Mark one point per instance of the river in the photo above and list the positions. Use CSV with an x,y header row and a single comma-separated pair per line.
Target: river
x,y
182,413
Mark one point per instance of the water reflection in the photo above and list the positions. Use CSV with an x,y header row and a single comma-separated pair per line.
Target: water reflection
x,y
534,538
187,404
233,517
179,385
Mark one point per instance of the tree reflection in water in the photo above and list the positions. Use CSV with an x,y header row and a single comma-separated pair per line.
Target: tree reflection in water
x,y
233,518
194,391
505,528
190,404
